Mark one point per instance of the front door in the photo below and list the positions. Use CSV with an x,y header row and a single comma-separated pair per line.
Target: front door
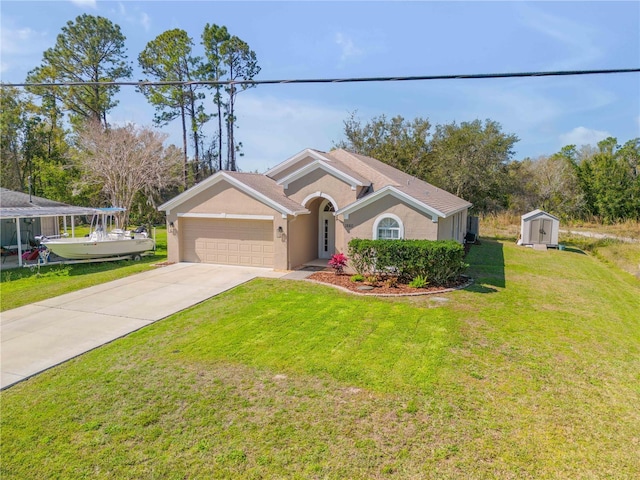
x,y
327,230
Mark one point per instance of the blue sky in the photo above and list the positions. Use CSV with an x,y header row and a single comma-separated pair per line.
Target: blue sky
x,y
362,39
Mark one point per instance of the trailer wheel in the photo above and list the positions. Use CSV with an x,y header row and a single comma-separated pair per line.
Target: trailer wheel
x,y
137,257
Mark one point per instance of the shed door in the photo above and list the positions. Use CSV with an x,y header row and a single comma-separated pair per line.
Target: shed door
x,y
228,242
541,231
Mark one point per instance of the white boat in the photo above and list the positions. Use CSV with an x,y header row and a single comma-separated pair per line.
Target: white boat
x,y
103,240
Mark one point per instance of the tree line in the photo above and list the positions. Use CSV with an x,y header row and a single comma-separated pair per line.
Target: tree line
x,y
46,130
57,140
474,160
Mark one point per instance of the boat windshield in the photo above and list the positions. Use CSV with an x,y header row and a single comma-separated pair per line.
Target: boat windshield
x,y
104,222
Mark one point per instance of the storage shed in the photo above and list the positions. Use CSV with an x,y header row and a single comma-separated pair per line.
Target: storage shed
x,y
539,228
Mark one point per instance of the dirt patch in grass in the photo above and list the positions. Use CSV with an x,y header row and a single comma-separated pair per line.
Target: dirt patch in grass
x,y
382,287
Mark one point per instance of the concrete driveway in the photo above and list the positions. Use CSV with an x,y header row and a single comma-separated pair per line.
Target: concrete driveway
x,y
41,335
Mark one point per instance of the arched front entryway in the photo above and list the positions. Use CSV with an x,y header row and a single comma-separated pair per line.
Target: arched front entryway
x,y
326,229
307,233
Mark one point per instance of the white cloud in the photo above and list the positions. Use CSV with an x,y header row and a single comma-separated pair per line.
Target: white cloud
x,y
348,47
16,41
577,41
20,49
136,18
145,21
85,3
583,136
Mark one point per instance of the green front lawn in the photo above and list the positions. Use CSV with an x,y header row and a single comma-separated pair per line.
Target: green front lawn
x,y
530,373
21,286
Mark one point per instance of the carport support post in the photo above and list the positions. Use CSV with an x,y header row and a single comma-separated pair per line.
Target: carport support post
x,y
19,239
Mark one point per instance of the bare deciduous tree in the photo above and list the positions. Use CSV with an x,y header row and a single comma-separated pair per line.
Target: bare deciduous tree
x,y
125,160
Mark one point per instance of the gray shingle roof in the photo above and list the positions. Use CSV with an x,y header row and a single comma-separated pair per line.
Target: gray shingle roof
x,y
366,170
19,205
382,175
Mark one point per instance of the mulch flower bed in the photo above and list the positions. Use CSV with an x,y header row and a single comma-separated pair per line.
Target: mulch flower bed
x,y
381,288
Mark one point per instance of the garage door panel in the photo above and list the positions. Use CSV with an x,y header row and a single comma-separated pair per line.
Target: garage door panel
x,y
229,242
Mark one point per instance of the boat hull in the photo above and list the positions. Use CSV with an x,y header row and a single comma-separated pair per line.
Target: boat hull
x,y
84,248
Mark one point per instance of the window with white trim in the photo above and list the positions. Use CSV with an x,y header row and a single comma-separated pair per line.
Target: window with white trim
x,y
388,229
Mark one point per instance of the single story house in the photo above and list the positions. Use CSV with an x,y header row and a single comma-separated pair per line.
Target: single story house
x,y
307,207
24,217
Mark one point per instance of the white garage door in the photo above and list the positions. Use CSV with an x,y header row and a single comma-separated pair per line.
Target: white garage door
x,y
228,242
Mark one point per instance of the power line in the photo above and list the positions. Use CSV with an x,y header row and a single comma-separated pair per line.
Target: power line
x,y
473,76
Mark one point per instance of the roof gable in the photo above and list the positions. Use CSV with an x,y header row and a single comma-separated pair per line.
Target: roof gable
x,y
290,162
346,175
538,213
395,192
262,189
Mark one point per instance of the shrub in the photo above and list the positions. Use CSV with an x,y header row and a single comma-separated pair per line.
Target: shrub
x,y
372,280
440,261
338,262
356,278
363,257
419,282
391,282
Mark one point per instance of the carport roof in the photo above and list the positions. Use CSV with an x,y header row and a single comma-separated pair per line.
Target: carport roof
x,y
20,205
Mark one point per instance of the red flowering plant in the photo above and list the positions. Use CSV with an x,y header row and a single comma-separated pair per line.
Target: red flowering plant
x,y
338,262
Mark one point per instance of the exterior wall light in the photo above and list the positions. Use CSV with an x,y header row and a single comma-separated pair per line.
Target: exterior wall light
x,y
279,232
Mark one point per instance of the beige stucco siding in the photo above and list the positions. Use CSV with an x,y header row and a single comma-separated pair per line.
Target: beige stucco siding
x,y
320,181
453,227
360,223
280,256
463,225
225,198
445,228
303,238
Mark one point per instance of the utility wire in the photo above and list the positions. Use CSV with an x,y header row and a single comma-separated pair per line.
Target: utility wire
x,y
143,83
